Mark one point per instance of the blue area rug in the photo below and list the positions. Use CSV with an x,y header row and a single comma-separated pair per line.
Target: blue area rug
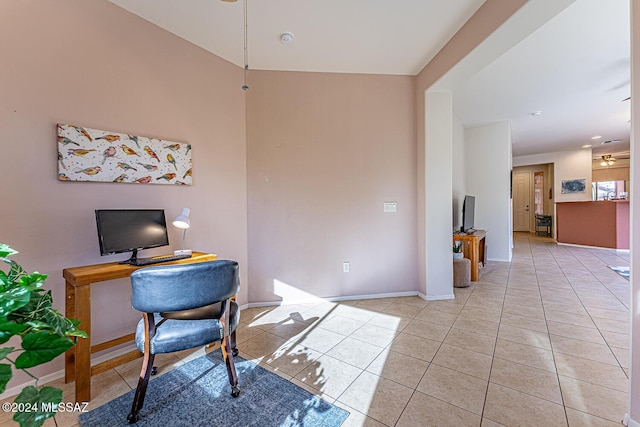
x,y
623,271
198,394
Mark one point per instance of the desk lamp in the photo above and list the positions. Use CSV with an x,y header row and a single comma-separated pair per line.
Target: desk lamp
x,y
182,221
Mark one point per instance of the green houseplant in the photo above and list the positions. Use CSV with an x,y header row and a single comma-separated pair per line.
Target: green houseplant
x,y
457,250
26,311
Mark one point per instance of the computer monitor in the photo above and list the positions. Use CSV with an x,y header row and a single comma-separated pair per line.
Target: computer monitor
x,y
468,213
130,230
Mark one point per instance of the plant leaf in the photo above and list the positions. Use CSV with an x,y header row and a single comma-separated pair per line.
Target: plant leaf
x,y
46,397
41,347
6,251
13,299
5,376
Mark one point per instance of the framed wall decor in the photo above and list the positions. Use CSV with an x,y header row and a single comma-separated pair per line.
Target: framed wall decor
x,y
86,154
570,186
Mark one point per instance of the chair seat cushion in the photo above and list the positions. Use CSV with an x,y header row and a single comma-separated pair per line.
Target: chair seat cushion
x,y
175,334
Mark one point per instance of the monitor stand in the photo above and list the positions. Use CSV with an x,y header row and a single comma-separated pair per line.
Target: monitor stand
x,y
132,260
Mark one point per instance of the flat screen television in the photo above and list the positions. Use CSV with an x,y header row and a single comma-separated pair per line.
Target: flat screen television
x,y
468,213
130,230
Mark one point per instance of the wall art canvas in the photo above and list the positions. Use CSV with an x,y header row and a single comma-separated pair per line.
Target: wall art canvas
x,y
86,154
573,186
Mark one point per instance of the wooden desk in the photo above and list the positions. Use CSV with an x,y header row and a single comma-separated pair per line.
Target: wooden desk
x,y
78,306
474,247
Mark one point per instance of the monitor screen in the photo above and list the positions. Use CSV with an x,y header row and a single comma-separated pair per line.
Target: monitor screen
x,y
124,230
468,213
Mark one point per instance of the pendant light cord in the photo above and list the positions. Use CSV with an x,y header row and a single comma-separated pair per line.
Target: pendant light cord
x,y
246,49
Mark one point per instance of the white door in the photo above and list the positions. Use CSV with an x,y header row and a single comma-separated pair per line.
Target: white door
x,y
521,200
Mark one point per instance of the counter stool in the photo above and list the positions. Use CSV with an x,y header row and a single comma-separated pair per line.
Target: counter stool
x,y
461,273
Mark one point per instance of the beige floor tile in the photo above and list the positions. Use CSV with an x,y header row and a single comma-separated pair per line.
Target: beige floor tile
x,y
534,357
373,334
262,345
591,371
356,418
471,341
403,310
612,325
390,321
524,322
413,300
353,312
426,411
330,376
355,352
622,356
513,408
588,350
570,318
317,338
523,310
376,304
591,334
292,360
488,423
581,419
380,398
621,316
411,345
431,315
289,328
341,325
533,381
466,361
459,389
427,330
615,339
481,313
398,367
525,336
593,399
574,308
471,324
449,306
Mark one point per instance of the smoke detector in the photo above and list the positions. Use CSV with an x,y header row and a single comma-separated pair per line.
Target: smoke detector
x,y
286,38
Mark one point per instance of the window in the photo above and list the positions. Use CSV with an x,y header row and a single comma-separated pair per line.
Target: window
x,y
609,190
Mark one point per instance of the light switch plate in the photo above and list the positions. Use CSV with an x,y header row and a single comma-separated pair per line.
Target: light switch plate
x,y
391,206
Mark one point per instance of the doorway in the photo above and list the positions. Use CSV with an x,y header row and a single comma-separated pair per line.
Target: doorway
x,y
521,200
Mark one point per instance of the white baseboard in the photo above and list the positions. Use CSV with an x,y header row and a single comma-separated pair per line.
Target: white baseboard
x,y
629,422
332,299
439,297
623,251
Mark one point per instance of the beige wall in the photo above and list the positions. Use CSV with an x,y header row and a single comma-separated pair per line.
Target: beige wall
x,y
91,63
325,151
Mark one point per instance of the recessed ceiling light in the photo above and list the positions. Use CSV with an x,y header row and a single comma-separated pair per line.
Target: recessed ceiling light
x,y
286,38
596,137
536,113
586,146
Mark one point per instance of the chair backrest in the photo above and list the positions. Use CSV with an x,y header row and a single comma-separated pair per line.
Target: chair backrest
x,y
183,287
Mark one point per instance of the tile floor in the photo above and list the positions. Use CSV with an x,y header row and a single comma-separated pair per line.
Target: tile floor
x,y
540,341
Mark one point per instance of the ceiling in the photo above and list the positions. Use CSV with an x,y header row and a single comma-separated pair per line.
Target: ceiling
x,y
568,59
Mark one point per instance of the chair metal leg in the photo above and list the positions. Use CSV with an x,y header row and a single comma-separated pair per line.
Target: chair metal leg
x,y
231,367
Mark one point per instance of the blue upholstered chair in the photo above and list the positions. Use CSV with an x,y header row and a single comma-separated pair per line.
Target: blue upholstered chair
x,y
184,306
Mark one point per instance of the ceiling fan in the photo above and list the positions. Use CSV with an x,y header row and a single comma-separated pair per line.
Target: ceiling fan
x,y
607,160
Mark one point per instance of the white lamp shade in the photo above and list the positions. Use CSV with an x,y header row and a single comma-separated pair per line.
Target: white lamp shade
x,y
182,220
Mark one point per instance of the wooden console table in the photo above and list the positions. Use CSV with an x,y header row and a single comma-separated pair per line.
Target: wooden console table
x,y
78,306
474,247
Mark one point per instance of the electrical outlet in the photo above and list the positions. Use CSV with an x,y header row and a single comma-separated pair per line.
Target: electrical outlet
x,y
346,266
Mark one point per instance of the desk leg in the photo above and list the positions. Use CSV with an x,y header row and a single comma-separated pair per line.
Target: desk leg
x,y
70,312
474,257
83,347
